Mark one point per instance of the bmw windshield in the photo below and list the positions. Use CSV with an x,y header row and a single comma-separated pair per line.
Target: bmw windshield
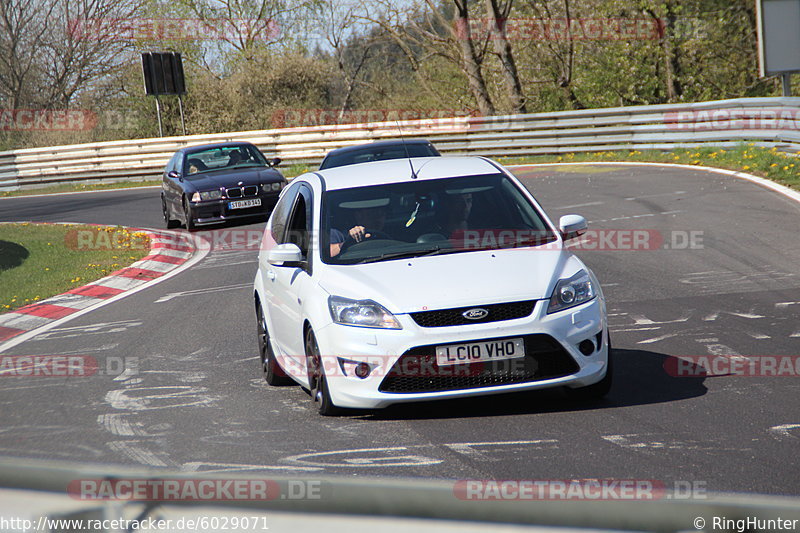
x,y
428,217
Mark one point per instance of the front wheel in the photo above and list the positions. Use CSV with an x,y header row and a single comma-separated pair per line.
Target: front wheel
x,y
187,213
317,384
273,374
169,222
598,390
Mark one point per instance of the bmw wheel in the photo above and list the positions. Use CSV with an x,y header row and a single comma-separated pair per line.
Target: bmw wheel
x,y
168,221
187,213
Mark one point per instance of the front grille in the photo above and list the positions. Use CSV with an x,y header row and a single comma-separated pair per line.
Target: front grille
x,y
239,192
455,317
416,370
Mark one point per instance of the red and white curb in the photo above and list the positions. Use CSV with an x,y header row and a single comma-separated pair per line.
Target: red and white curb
x,y
170,253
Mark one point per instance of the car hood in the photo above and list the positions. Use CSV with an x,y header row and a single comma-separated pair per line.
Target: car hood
x,y
456,280
231,178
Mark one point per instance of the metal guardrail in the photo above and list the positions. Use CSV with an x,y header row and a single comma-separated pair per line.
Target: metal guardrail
x,y
408,498
771,122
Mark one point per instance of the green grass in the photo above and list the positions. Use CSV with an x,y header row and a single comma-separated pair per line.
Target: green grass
x,y
41,260
765,162
78,187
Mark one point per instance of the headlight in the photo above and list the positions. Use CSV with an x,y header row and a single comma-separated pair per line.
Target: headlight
x,y
571,292
365,313
210,195
275,186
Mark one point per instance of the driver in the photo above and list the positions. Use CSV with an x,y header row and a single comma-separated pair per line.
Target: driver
x,y
234,158
370,218
459,208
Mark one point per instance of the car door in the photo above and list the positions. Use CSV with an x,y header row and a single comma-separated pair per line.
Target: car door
x,y
173,190
287,285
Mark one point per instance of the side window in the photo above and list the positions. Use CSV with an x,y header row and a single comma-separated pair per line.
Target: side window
x,y
282,210
299,227
178,163
171,163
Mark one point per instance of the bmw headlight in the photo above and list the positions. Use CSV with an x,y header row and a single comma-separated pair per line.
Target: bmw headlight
x,y
211,195
572,291
206,195
364,313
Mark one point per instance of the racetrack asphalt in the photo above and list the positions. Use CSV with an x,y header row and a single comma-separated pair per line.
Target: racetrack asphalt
x,y
193,397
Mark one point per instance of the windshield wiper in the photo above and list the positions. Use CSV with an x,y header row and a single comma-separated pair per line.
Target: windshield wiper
x,y
245,165
401,255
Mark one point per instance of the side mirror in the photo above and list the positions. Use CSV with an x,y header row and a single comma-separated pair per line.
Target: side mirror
x,y
173,174
287,255
572,226
275,162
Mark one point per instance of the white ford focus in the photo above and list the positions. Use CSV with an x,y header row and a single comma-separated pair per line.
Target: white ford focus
x,y
422,279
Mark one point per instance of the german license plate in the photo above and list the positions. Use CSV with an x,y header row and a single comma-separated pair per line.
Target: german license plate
x,y
459,354
241,204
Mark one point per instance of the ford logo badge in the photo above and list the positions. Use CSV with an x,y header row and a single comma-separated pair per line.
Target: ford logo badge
x,y
475,314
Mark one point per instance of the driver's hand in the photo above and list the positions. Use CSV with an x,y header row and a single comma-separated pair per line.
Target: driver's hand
x,y
359,233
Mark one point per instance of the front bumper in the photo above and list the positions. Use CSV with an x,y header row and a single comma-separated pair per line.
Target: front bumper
x,y
345,346
217,211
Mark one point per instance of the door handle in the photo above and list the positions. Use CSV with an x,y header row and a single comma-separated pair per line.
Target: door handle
x,y
271,275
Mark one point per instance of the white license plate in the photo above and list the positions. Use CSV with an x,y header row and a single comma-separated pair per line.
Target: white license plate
x,y
241,204
459,354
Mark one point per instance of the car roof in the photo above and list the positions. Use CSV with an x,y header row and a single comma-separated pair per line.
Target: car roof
x,y
200,147
376,144
398,171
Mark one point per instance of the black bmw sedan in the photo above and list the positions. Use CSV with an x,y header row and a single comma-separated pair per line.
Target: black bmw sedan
x,y
215,183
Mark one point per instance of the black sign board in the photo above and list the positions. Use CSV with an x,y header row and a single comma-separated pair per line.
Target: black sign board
x,y
163,73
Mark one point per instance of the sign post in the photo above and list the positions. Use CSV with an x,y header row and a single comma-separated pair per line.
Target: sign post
x,y
163,75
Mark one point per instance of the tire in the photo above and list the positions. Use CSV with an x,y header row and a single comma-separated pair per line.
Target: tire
x,y
597,390
187,213
317,384
168,222
273,373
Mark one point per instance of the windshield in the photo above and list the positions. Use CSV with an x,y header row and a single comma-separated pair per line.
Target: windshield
x,y
428,217
223,157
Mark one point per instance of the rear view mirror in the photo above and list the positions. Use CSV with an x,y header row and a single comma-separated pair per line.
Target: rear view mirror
x,y
572,226
275,162
172,174
288,255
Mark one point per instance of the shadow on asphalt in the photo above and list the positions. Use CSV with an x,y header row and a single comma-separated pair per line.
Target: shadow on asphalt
x,y
640,378
12,255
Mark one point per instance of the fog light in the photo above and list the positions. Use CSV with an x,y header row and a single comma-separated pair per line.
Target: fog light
x,y
586,347
363,370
